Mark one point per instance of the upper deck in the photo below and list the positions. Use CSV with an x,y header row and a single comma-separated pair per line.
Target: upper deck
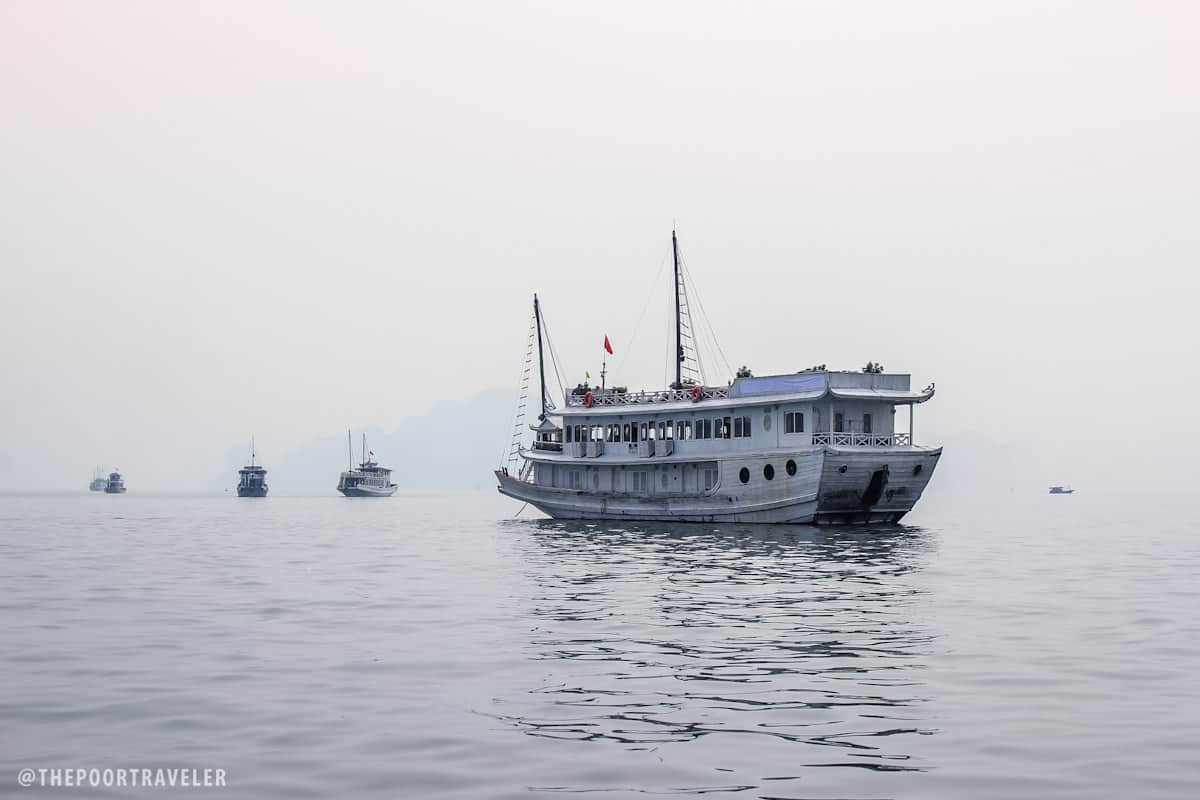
x,y
892,388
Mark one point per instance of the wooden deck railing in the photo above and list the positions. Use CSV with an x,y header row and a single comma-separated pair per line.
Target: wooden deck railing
x,y
836,439
606,398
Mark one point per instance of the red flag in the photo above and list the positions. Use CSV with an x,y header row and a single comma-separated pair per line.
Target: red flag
x,y
607,346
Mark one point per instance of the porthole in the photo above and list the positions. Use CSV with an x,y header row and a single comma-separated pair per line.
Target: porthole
x,y
917,469
790,466
769,472
744,475
842,469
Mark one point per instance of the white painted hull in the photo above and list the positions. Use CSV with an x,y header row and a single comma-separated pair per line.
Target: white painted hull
x,y
820,491
846,494
368,491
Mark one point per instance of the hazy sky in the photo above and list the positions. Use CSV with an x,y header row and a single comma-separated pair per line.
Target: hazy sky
x,y
289,218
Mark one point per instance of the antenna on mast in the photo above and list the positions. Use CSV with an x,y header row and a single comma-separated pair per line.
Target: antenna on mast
x,y
349,448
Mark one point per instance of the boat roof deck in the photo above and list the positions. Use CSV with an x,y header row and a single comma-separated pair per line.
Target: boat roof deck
x,y
769,389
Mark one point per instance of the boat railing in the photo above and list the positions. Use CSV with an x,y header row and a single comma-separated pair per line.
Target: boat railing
x,y
851,439
551,447
609,398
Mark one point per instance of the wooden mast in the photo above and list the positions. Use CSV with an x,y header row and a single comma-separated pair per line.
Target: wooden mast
x,y
537,313
678,330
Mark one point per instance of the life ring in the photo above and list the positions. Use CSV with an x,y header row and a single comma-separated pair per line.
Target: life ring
x,y
589,400
697,393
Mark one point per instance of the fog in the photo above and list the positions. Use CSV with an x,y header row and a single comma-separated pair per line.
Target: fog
x,y
288,219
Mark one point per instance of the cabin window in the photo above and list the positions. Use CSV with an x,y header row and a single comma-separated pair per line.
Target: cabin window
x,y
725,428
567,434
662,431
685,429
793,422
866,423
670,429
839,424
644,432
625,432
741,427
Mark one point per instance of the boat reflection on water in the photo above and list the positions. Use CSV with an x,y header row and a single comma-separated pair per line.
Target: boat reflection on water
x,y
739,640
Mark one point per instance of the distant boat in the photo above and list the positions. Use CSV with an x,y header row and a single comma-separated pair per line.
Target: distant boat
x,y
369,479
252,479
1061,490
115,484
98,481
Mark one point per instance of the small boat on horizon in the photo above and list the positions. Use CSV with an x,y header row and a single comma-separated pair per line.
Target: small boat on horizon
x,y
115,483
369,479
1061,490
98,481
252,479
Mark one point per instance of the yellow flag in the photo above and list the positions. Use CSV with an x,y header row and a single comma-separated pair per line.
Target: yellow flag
x,y
587,376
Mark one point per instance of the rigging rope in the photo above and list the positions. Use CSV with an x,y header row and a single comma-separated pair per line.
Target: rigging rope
x,y
638,326
707,319
554,362
519,407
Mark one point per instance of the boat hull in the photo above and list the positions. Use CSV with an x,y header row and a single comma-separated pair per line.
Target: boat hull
x,y
367,491
876,486
865,486
114,490
252,491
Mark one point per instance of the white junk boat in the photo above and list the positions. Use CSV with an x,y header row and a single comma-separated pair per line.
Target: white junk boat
x,y
369,479
98,481
817,446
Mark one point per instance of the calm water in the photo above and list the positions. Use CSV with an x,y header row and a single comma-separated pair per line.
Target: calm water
x,y
431,646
